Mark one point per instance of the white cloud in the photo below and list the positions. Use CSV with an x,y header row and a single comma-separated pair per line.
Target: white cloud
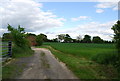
x,y
115,8
77,0
93,29
99,11
80,18
2,31
103,5
28,14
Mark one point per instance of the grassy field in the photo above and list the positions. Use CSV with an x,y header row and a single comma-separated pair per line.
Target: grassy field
x,y
78,56
83,49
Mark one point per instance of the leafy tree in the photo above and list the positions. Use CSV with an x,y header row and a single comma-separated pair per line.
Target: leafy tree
x,y
97,39
116,29
55,40
30,34
87,39
79,38
61,37
64,38
18,36
43,37
75,41
67,38
7,37
39,39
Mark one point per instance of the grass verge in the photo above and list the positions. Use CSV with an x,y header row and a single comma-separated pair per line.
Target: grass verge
x,y
21,52
15,68
12,70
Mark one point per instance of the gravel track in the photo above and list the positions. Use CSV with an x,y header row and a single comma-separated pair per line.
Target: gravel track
x,y
43,65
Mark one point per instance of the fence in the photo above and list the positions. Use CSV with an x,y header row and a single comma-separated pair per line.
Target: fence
x,y
6,50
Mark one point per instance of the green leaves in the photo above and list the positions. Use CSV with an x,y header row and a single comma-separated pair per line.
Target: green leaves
x,y
10,28
18,36
39,40
64,38
116,29
97,39
87,39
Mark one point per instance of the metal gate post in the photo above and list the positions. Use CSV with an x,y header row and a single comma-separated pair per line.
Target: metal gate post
x,y
10,48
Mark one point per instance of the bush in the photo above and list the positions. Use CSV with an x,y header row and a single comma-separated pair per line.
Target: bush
x,y
106,58
21,44
39,40
21,52
18,36
116,29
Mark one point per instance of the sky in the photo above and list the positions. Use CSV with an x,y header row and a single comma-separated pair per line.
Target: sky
x,y
92,17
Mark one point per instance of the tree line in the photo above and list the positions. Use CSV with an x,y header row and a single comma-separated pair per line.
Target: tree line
x,y
63,38
87,39
34,39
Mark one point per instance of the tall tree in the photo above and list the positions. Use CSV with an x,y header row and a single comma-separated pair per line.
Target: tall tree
x,y
18,36
39,40
43,37
116,29
97,39
55,40
67,38
64,38
79,38
61,37
30,34
87,39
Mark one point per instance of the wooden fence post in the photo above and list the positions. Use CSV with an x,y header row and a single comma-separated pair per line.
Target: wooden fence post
x,y
10,48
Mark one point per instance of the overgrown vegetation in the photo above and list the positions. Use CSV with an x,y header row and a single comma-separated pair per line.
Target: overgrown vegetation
x,y
116,29
105,58
18,36
18,52
40,39
21,44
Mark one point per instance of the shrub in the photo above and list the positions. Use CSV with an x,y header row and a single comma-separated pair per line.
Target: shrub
x,y
18,36
39,40
106,58
116,29
21,52
21,44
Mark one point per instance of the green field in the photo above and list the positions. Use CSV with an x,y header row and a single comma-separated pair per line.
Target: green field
x,y
77,57
82,49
